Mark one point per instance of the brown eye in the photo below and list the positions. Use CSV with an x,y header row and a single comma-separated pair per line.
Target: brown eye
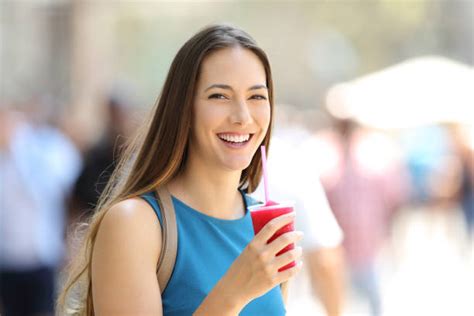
x,y
258,97
217,96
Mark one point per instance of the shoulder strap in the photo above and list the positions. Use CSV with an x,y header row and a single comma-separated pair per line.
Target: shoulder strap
x,y
169,234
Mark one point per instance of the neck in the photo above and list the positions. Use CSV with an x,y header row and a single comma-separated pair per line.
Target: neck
x,y
212,191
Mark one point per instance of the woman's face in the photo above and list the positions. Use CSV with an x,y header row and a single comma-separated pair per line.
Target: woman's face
x,y
231,109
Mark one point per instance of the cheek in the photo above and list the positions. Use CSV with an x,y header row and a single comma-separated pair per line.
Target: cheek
x,y
262,117
205,119
212,118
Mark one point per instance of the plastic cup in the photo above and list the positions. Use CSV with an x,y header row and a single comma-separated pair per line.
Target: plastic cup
x,y
262,214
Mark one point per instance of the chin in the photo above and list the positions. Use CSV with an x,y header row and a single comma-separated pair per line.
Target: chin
x,y
237,165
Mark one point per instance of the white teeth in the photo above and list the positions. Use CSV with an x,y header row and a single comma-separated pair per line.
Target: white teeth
x,y
234,138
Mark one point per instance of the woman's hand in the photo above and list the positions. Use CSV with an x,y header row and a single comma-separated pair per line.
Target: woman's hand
x,y
255,271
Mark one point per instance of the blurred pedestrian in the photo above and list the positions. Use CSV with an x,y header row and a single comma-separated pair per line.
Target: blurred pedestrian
x,y
38,165
294,177
101,159
365,185
433,165
463,139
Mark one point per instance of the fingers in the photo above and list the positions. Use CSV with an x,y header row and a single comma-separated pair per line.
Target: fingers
x,y
289,273
287,257
284,240
272,226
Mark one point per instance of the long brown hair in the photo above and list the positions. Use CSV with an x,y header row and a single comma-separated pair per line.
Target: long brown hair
x,y
159,151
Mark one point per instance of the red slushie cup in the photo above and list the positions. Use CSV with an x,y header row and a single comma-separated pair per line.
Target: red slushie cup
x,y
262,214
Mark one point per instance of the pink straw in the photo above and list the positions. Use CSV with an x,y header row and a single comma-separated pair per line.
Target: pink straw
x,y
265,174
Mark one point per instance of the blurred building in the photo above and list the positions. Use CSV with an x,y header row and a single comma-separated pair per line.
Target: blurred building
x,y
74,50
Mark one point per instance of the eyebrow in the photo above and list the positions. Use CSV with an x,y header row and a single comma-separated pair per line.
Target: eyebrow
x,y
227,87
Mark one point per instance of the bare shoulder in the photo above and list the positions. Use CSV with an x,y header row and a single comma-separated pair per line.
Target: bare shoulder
x,y
133,221
132,212
124,259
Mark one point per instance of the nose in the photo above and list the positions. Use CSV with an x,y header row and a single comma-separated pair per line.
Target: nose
x,y
241,113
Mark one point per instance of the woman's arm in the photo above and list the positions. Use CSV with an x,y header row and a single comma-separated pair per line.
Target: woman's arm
x,y
124,261
255,271
127,249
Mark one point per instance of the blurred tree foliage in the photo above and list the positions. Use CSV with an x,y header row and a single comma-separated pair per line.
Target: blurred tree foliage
x,y
311,44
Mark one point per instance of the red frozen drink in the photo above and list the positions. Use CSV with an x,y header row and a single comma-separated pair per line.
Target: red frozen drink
x,y
262,214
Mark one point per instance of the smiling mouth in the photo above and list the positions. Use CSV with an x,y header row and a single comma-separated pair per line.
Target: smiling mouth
x,y
234,140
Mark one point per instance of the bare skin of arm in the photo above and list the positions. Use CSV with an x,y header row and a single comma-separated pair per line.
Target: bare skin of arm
x,y
124,261
127,249
326,269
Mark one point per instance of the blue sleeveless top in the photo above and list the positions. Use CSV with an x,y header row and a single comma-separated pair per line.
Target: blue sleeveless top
x,y
207,246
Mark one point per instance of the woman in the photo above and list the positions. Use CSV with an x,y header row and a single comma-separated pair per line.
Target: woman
x,y
201,143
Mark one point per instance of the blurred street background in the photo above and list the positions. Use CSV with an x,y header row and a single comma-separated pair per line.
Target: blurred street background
x,y
381,96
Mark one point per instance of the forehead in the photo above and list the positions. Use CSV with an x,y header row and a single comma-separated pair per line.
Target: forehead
x,y
233,66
